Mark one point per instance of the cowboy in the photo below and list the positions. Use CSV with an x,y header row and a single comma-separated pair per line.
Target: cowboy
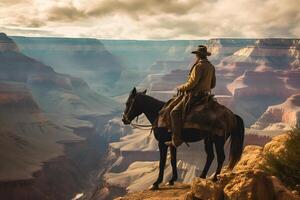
x,y
201,80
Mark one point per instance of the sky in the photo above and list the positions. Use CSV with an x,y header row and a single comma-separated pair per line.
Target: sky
x,y
151,19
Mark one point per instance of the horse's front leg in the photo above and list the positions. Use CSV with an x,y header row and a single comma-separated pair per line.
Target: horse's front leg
x,y
174,165
209,156
163,150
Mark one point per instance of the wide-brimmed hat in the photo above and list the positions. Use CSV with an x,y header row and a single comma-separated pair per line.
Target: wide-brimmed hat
x,y
202,50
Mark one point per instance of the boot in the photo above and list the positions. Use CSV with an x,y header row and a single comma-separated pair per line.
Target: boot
x,y
176,121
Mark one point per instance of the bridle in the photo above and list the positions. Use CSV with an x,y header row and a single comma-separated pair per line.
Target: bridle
x,y
141,126
136,125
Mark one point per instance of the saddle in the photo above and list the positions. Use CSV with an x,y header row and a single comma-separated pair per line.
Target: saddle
x,y
203,113
197,100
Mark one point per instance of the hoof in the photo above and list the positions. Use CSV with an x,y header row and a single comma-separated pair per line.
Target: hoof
x,y
154,187
170,183
202,176
215,179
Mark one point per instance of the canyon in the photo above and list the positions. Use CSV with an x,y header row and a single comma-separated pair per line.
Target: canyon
x,y
61,100
51,129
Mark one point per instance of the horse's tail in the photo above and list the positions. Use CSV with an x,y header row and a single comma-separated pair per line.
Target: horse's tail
x,y
236,142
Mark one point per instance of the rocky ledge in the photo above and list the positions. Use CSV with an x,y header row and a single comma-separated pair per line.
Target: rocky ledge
x,y
248,181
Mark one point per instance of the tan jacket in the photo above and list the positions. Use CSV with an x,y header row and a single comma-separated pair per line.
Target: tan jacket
x,y
201,78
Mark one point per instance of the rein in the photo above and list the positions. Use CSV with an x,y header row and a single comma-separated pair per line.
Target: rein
x,y
142,126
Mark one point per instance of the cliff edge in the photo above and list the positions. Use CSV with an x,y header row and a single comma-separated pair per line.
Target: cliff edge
x,y
249,180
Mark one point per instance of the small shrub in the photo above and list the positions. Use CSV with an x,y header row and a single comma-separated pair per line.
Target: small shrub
x,y
286,164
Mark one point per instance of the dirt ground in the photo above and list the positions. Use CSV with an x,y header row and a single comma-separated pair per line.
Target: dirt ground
x,y
175,192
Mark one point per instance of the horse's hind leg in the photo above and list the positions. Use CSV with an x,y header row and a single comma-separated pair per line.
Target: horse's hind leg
x,y
163,150
209,156
174,165
219,144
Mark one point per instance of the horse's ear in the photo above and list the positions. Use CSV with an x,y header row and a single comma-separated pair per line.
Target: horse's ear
x,y
144,92
133,92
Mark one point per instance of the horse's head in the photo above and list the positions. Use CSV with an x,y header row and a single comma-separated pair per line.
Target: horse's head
x,y
133,106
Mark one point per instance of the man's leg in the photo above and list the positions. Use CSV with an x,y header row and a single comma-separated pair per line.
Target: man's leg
x,y
176,123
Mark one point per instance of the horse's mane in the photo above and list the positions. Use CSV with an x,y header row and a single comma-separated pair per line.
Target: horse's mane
x,y
153,103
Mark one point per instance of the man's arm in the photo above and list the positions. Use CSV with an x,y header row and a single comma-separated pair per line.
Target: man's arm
x,y
193,79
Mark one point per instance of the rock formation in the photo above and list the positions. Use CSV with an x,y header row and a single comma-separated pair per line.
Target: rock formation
x,y
223,47
281,116
254,91
7,44
248,180
24,144
279,54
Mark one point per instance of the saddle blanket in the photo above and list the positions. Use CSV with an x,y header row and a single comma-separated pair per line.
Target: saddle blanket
x,y
209,117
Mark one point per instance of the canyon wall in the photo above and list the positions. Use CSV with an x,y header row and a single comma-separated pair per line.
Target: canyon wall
x,y
51,131
79,57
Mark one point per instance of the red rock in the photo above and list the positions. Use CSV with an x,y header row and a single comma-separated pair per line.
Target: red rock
x,y
281,116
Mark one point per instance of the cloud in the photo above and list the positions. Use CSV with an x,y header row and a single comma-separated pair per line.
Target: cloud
x,y
133,8
65,13
27,21
157,19
12,2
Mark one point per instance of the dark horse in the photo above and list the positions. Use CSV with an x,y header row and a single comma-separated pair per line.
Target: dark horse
x,y
139,102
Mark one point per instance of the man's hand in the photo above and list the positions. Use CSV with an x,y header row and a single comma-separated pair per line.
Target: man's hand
x,y
179,90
